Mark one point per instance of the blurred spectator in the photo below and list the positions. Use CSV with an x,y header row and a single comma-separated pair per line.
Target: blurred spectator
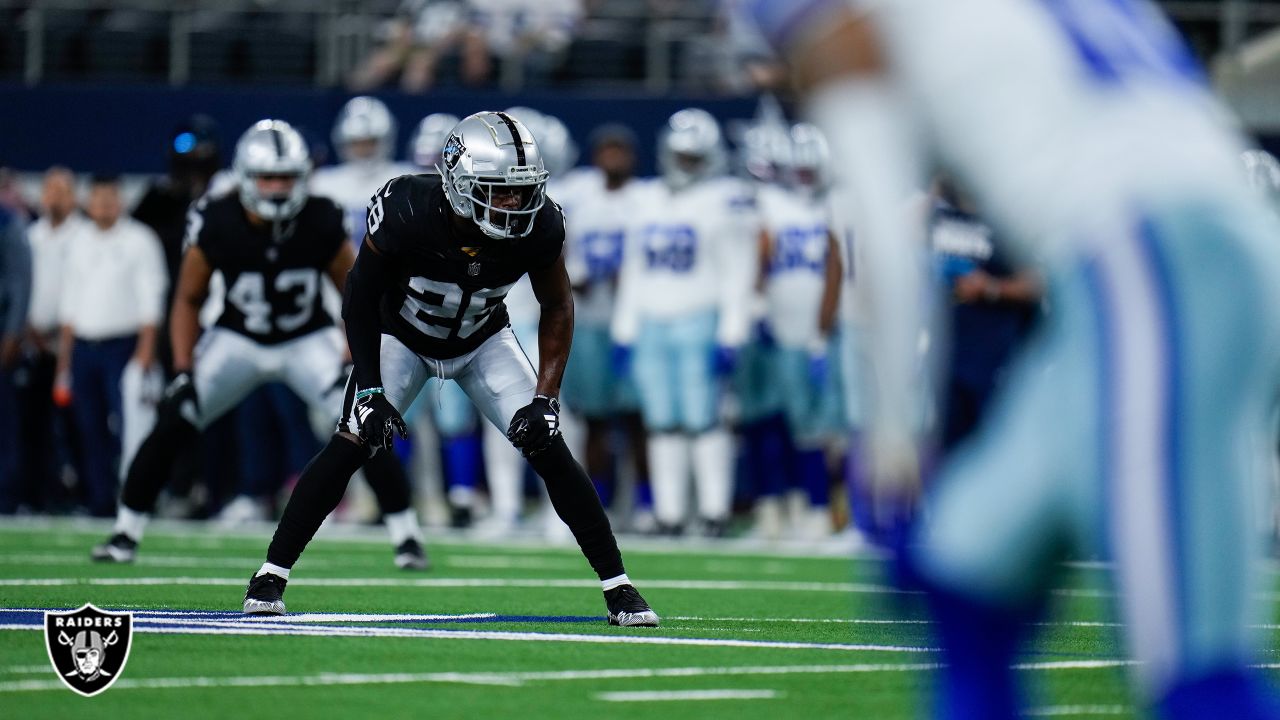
x,y
533,34
15,294
419,35
112,300
530,35
49,237
11,198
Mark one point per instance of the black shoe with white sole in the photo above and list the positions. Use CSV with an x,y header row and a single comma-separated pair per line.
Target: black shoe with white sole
x,y
628,609
265,595
411,556
119,548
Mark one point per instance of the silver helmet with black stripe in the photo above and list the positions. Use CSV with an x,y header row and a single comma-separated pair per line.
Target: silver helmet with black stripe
x,y
272,149
493,173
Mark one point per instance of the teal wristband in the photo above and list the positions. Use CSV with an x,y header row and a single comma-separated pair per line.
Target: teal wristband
x,y
370,392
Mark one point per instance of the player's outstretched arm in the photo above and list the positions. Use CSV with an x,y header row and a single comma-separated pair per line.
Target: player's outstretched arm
x,y
188,298
369,277
555,329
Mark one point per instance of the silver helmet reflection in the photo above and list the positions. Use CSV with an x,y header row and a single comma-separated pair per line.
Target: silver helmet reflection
x,y
272,148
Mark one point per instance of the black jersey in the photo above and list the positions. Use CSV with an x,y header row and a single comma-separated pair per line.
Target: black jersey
x,y
449,288
274,276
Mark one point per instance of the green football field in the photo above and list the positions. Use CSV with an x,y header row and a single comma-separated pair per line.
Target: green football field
x,y
509,630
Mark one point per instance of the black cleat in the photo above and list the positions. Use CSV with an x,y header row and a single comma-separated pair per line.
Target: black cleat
x,y
119,548
265,595
411,556
628,609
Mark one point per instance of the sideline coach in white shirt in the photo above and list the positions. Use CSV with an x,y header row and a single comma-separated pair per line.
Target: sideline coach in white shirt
x,y
113,297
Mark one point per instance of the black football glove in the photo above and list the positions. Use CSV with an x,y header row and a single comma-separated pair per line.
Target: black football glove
x,y
535,425
378,421
179,399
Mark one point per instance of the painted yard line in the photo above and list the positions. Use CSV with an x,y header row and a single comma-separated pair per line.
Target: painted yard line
x,y
1076,710
730,585
24,669
182,615
1075,664
684,695
533,541
258,627
326,561
503,679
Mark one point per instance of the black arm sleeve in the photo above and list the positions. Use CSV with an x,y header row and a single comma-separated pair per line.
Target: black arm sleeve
x,y
369,278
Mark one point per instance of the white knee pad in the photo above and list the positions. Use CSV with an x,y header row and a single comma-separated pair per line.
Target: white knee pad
x,y
669,476
713,473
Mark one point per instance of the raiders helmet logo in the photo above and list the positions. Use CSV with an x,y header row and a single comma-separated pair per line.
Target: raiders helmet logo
x,y
88,647
452,152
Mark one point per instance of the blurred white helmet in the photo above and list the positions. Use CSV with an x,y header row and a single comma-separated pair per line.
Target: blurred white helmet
x,y
429,138
490,154
810,160
559,152
764,152
272,147
690,148
364,118
1263,172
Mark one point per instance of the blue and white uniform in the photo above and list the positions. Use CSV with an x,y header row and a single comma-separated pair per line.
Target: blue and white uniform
x,y
1124,427
597,225
687,268
799,234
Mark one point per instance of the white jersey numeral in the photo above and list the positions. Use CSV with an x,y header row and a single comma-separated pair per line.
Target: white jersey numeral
x,y
249,296
435,308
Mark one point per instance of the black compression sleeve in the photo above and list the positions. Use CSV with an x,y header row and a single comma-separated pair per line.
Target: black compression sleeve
x,y
369,278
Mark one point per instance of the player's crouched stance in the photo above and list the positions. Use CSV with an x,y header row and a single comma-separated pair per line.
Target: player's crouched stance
x,y
425,299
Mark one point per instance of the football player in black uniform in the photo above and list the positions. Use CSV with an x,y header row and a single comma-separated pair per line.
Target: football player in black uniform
x,y
274,245
425,299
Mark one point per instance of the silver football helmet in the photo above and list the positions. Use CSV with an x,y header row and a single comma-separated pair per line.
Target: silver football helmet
x,y
690,148
272,147
364,118
810,160
429,138
764,151
493,173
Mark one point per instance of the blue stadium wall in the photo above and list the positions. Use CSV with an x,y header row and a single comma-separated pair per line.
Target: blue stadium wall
x,y
124,129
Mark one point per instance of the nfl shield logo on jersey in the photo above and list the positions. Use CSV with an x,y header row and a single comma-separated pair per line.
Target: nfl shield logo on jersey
x,y
473,269
88,647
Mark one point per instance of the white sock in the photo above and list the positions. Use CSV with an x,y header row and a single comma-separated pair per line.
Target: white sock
x,y
614,582
504,467
403,526
274,570
669,476
713,473
131,523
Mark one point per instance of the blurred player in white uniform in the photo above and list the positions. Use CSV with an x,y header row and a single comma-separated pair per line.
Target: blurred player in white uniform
x,y
801,278
364,136
597,205
683,296
1084,127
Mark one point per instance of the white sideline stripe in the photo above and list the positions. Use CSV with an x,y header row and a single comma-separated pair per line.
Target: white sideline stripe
x,y
1074,665
678,695
1070,710
755,585
264,626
